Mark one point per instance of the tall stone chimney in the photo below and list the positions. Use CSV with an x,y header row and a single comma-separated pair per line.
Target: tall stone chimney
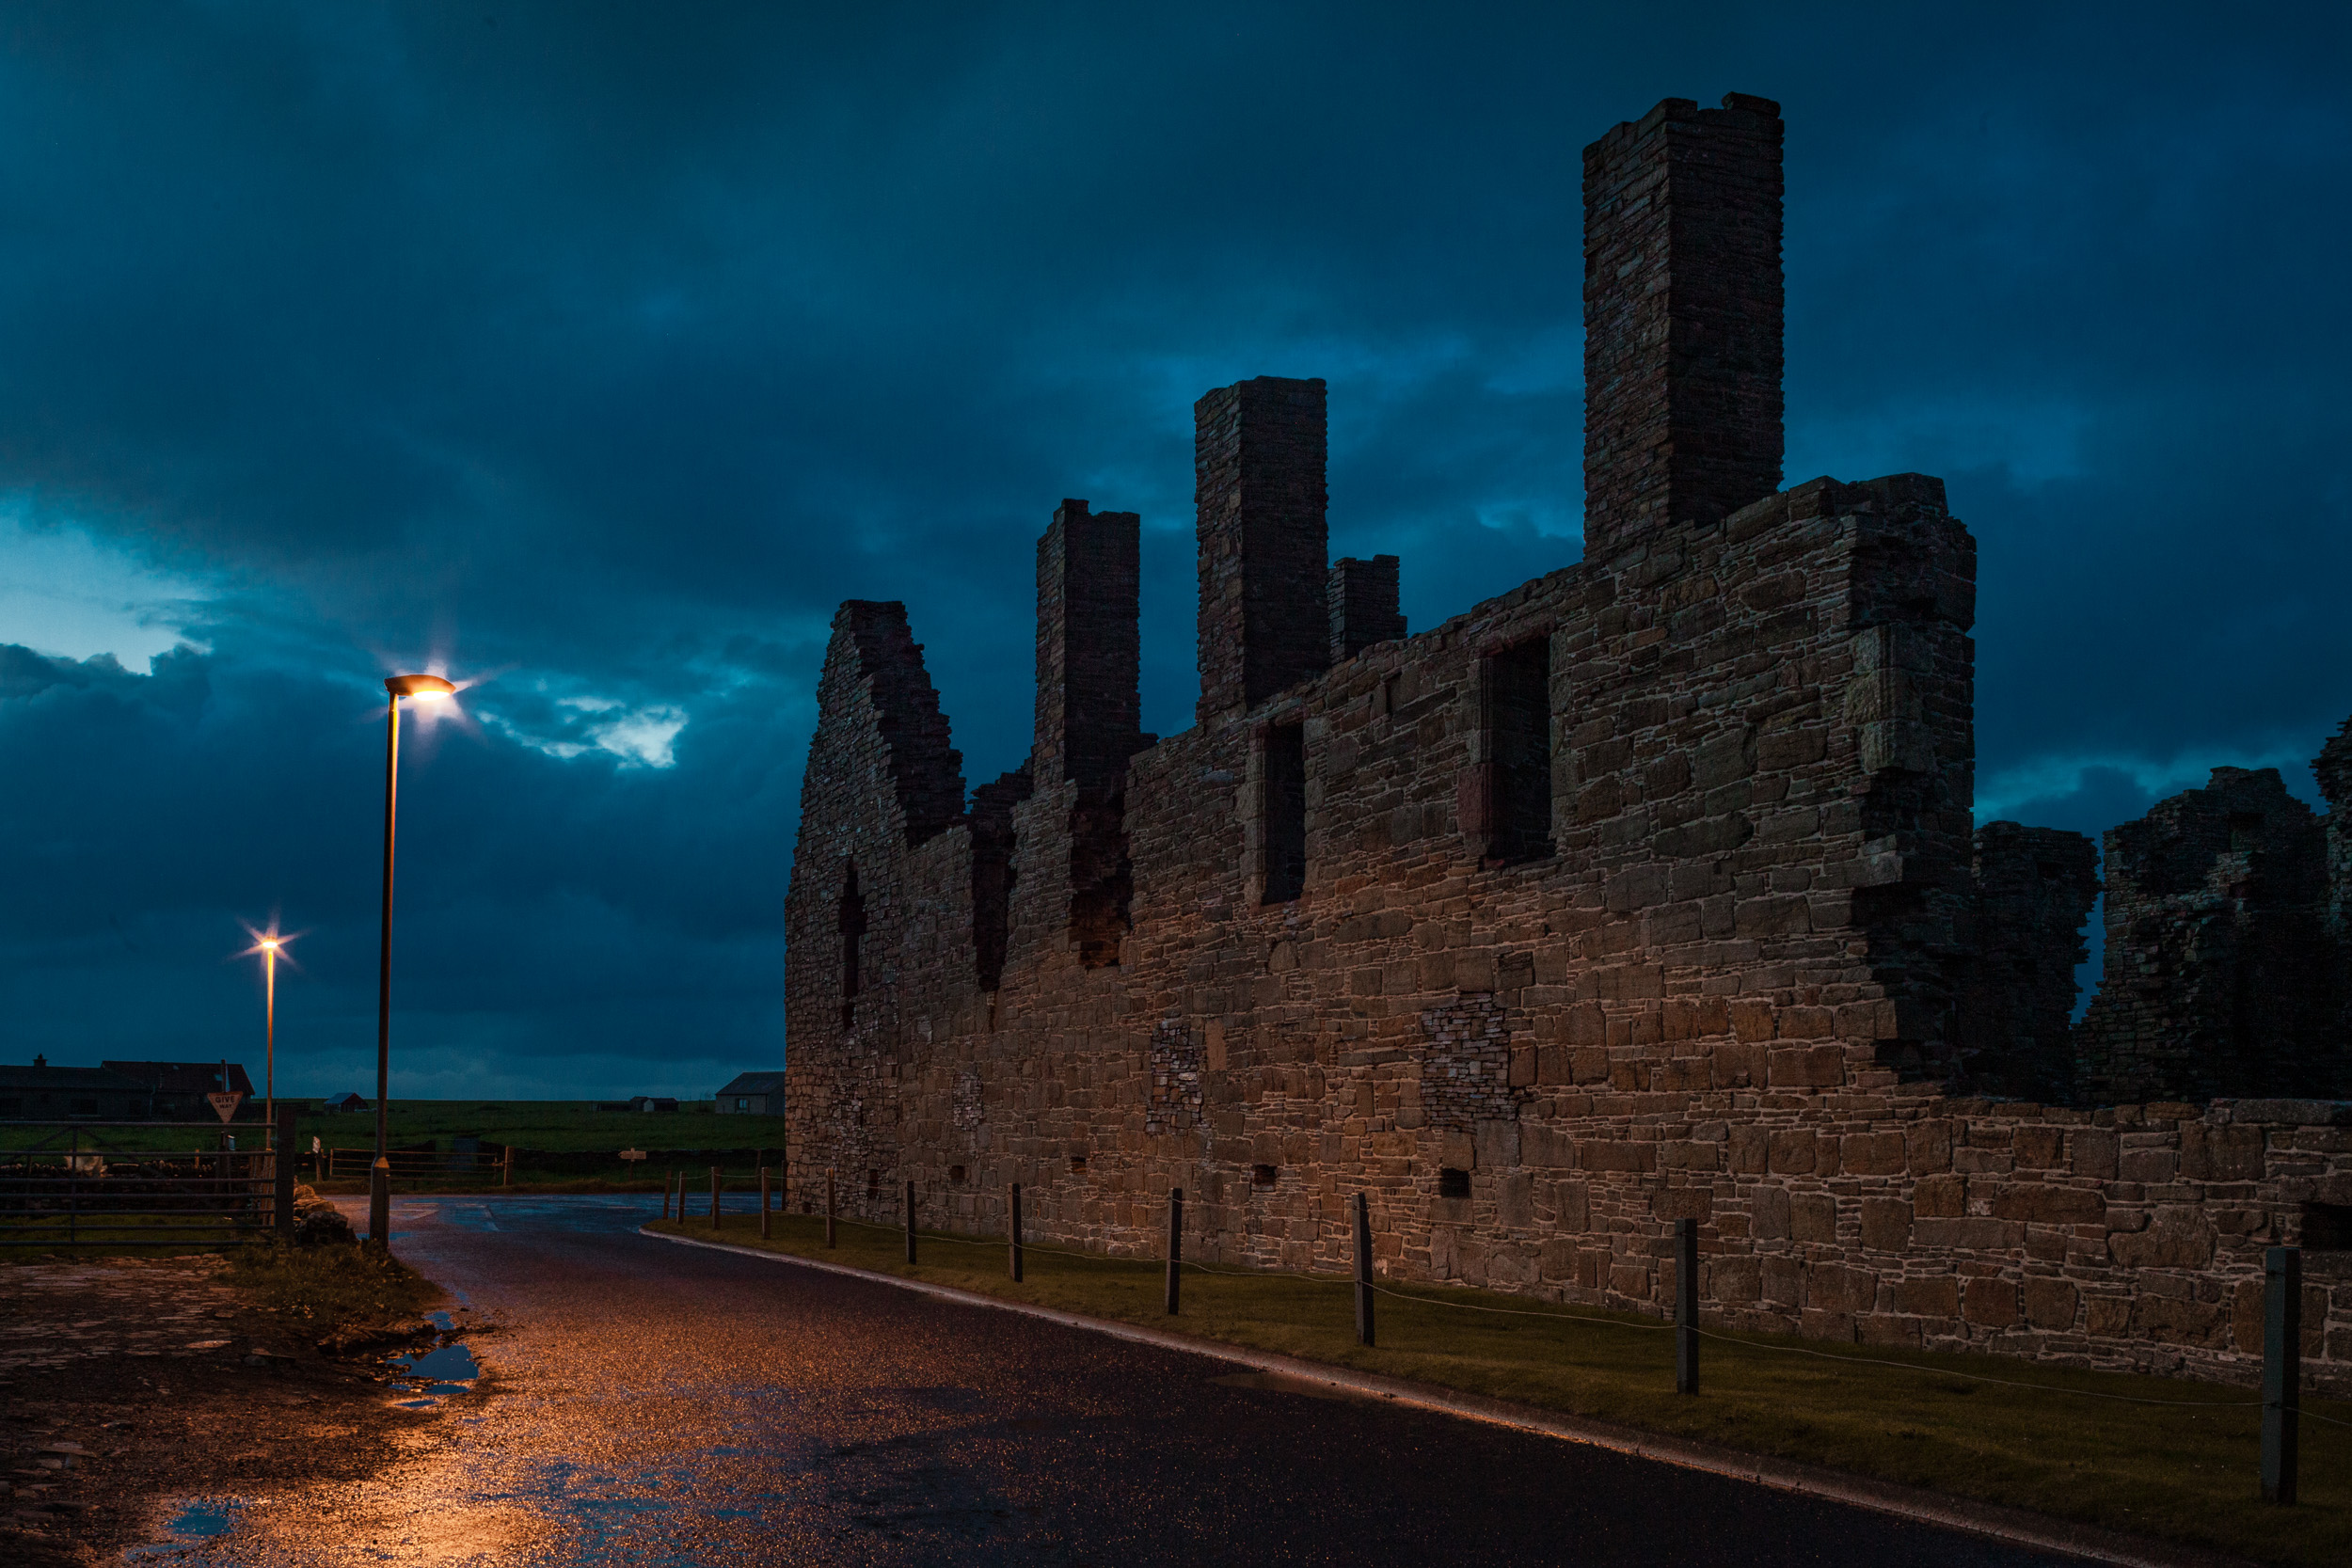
x,y
1363,602
1682,318
1089,719
1257,467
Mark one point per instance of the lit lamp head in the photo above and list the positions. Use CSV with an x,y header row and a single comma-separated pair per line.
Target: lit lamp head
x,y
427,688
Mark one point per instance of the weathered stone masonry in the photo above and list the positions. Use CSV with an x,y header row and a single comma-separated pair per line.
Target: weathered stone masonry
x,y
1647,890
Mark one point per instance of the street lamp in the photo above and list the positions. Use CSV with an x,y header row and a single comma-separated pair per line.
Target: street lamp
x,y
271,945
421,689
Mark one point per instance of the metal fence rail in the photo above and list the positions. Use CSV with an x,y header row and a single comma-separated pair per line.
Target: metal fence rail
x,y
132,1195
78,1187
413,1165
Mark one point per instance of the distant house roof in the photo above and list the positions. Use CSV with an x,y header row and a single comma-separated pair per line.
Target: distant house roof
x,y
346,1099
755,1082
65,1080
184,1077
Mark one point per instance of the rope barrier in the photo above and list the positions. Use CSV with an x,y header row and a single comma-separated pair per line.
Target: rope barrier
x,y
1589,1321
1974,1377
1515,1311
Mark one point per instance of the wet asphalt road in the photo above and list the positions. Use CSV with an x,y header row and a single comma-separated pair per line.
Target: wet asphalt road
x,y
659,1404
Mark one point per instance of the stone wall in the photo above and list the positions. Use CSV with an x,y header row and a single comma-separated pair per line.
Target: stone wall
x,y
2223,967
2035,886
1647,890
1682,317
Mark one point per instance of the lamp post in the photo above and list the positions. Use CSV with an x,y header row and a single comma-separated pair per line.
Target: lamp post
x,y
269,1057
270,945
423,688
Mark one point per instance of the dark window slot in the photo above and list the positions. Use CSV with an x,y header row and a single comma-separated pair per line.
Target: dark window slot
x,y
1285,816
1261,1175
1518,741
1453,1183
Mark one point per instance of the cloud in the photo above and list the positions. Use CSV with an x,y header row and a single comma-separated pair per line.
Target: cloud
x,y
571,727
610,351
69,593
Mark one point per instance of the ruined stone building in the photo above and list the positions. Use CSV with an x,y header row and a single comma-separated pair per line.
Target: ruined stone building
x,y
1647,890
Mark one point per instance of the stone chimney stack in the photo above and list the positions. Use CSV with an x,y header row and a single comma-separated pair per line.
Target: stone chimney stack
x,y
1682,319
1258,458
1089,718
1363,604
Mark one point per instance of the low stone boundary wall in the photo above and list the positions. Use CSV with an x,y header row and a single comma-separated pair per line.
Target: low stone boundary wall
x,y
2129,1238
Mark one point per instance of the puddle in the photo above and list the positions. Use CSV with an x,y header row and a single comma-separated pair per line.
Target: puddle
x,y
1308,1387
435,1374
200,1519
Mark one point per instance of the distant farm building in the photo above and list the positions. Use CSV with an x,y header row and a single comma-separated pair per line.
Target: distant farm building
x,y
126,1091
754,1094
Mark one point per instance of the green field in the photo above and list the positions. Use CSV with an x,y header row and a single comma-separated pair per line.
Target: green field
x,y
2057,1440
570,1128
555,1125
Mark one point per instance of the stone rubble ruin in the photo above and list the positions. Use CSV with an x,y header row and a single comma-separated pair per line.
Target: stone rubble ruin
x,y
1648,889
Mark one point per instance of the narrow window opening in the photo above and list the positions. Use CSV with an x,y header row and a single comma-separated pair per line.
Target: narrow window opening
x,y
1102,877
1391,692
2328,1228
955,1173
1078,1165
994,873
1261,1175
1518,736
1453,1183
2246,832
852,938
873,1184
1284,822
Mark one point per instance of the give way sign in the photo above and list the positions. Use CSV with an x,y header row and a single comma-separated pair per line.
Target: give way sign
x,y
225,1106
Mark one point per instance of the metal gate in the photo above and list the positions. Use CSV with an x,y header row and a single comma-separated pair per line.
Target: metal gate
x,y
109,1185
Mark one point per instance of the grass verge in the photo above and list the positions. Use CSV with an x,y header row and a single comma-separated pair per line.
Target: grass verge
x,y
2183,1470
48,1238
330,1289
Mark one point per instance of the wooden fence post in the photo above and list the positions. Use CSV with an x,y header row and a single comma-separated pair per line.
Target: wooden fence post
x,y
714,1197
829,1232
1364,1271
2282,1370
1175,1246
763,1203
1686,1307
909,1222
506,1167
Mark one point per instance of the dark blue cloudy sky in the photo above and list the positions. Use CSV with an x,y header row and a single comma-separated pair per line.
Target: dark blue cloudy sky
x,y
598,352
